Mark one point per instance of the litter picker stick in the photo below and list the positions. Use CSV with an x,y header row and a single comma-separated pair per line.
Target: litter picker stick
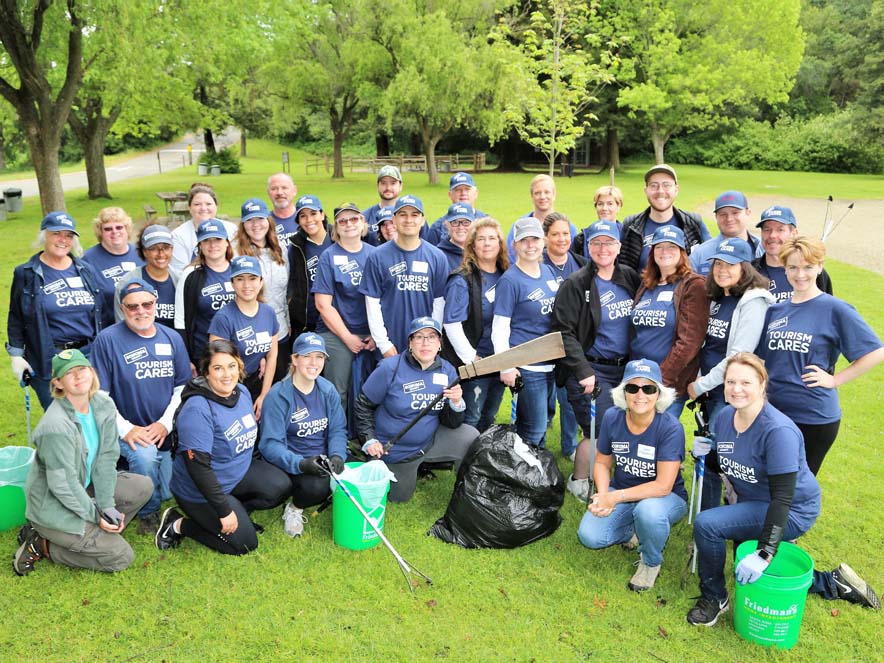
x,y
827,232
25,382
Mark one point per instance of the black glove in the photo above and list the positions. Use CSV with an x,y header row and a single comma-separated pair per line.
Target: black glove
x,y
337,464
112,516
311,465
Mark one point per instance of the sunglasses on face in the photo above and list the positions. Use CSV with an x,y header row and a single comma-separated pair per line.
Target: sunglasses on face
x,y
147,306
649,389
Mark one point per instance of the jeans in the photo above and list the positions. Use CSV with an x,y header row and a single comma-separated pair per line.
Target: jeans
x,y
42,390
567,422
650,519
606,378
482,397
677,407
712,483
156,465
536,406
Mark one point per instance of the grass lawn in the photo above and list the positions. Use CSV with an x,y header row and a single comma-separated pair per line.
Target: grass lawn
x,y
309,600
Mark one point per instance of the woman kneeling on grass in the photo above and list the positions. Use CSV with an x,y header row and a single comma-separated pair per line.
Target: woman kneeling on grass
x,y
762,453
644,445
215,479
304,420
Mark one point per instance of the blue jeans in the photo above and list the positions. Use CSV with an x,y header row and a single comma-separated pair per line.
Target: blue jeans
x,y
156,464
712,483
606,378
677,407
536,406
42,390
567,422
650,519
482,397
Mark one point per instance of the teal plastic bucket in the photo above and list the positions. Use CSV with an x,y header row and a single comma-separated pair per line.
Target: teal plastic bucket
x,y
769,612
15,463
369,484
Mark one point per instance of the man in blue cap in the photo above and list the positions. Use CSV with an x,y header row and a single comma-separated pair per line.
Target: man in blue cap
x,y
389,188
732,214
282,191
457,224
461,189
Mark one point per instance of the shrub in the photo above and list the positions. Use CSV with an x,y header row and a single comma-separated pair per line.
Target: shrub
x,y
227,158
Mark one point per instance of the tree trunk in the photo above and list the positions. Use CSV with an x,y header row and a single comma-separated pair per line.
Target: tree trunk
x,y
338,171
612,148
508,153
2,153
209,140
430,141
659,139
242,142
92,134
45,147
381,144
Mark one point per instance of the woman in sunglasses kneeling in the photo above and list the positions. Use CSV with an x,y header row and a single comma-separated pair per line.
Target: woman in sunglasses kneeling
x,y
645,496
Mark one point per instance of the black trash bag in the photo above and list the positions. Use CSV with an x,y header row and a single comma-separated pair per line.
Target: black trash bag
x,y
500,500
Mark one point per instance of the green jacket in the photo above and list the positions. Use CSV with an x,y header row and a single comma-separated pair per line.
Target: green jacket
x,y
56,486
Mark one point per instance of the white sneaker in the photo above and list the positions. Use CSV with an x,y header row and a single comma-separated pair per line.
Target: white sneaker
x,y
579,488
572,456
293,520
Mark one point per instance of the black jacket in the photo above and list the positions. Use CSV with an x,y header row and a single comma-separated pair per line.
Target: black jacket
x,y
193,285
299,282
473,325
632,240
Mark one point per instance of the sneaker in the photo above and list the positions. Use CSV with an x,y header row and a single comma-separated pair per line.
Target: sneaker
x,y
579,488
644,578
572,456
854,589
293,520
31,551
707,611
632,544
23,532
148,523
166,537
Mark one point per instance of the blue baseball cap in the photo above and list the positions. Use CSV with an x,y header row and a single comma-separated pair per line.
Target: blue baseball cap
x,y
778,213
731,199
58,222
137,285
254,208
155,234
309,342
408,201
604,229
245,265
461,179
384,214
643,368
732,251
210,228
307,202
424,322
668,234
460,211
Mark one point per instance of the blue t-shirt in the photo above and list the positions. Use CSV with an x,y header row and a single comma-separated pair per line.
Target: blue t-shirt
x,y
253,335
312,251
771,445
636,456
109,269
718,330
285,228
406,282
612,331
90,435
307,430
812,332
564,271
226,434
400,391
778,285
653,318
140,373
339,274
165,305
457,306
216,292
527,302
68,305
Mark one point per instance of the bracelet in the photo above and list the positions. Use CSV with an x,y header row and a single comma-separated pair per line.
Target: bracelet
x,y
622,495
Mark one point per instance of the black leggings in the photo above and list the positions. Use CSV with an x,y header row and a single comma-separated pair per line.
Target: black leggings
x,y
818,439
309,489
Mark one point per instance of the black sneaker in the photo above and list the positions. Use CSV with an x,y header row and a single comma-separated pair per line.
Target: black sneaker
x,y
707,611
149,523
854,589
166,536
31,551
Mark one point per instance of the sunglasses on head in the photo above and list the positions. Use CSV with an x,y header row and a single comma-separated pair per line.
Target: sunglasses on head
x,y
649,389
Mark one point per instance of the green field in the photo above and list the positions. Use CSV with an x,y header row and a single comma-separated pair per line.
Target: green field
x,y
308,600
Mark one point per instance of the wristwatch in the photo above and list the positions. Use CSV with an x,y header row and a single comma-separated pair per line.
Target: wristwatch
x,y
764,554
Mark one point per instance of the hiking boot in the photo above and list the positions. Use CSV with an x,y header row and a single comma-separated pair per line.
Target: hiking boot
x,y
854,589
148,523
23,532
644,578
166,537
707,611
579,488
632,544
33,548
293,520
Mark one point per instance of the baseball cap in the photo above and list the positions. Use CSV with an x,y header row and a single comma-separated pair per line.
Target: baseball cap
x,y
460,211
460,179
778,213
384,214
408,201
603,229
731,199
245,265
59,221
643,368
347,207
309,342
210,228
307,202
66,360
424,322
527,226
254,208
661,168
668,234
733,250
155,234
137,285
389,171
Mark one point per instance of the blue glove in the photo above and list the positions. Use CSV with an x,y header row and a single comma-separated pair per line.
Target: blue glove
x,y
367,444
750,568
701,447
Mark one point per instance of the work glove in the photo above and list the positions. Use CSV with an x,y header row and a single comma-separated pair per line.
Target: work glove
x,y
112,516
701,447
19,366
312,465
750,568
337,464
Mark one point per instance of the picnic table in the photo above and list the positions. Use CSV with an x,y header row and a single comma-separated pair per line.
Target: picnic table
x,y
169,199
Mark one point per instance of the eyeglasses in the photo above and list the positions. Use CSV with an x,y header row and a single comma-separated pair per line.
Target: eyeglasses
x,y
425,338
165,248
460,222
602,245
110,229
147,306
348,220
666,186
649,389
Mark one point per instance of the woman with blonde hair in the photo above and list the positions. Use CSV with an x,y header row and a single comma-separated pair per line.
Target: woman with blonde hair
x,y
202,201
608,201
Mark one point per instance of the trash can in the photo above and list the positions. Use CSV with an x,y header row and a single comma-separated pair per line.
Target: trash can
x,y
15,463
202,169
216,169
2,209
369,484
13,200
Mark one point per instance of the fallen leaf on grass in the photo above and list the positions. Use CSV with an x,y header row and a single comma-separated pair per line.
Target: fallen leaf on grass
x,y
431,603
662,631
503,591
836,612
145,565
599,603
117,635
86,602
661,602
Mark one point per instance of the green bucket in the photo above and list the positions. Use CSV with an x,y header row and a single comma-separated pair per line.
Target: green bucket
x,y
15,463
349,528
769,612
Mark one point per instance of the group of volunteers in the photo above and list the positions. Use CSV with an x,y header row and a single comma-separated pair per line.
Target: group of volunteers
x,y
232,366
